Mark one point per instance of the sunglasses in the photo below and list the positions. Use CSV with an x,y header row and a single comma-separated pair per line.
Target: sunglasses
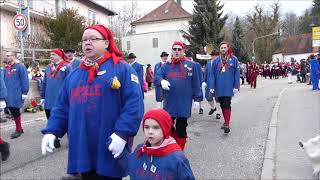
x,y
177,49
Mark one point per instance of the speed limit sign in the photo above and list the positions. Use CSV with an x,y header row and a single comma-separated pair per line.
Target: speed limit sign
x,y
20,22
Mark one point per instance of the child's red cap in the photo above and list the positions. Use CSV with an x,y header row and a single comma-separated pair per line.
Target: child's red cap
x,y
162,117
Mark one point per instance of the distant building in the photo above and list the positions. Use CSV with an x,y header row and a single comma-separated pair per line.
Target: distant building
x,y
156,31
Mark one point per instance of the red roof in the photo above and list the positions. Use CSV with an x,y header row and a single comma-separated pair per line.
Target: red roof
x,y
167,11
297,44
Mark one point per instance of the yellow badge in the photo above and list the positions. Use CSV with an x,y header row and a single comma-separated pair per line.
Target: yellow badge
x,y
115,83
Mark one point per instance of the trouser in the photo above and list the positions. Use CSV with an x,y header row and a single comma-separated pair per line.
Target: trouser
x,y
93,175
315,83
15,112
48,113
149,84
225,104
179,130
254,81
242,80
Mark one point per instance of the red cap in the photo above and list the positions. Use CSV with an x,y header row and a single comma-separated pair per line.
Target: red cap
x,y
162,117
180,44
107,34
60,53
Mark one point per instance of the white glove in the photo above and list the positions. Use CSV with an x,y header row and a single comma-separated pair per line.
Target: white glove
x,y
117,145
47,143
196,106
159,104
204,85
235,91
42,101
3,104
24,96
212,91
165,84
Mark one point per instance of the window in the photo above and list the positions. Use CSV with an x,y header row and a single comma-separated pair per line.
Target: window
x,y
155,42
91,17
128,46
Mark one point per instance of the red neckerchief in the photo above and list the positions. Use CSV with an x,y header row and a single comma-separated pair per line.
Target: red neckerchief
x,y
178,61
168,146
93,69
55,70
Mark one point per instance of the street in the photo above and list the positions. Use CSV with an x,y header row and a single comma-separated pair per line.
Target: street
x,y
211,153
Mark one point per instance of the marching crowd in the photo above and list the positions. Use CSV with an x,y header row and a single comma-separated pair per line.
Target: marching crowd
x,y
98,102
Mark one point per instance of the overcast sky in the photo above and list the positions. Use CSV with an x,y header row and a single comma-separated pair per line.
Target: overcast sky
x,y
237,7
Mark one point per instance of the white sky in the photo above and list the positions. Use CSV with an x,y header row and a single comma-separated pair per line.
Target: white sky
x,y
237,7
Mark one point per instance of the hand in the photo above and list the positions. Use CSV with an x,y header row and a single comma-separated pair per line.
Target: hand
x,y
24,96
212,91
159,104
117,145
3,104
42,101
235,91
165,84
47,143
204,85
196,106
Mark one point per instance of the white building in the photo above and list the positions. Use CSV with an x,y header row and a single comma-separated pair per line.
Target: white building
x,y
92,11
156,31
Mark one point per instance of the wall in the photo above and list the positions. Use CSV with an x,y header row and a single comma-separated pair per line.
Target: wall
x,y
297,57
8,31
279,56
162,26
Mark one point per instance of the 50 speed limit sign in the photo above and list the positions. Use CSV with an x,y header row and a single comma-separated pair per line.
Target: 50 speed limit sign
x,y
20,22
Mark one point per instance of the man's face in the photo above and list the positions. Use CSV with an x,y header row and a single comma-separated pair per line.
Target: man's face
x,y
177,51
55,58
10,57
70,55
93,44
153,132
164,58
224,49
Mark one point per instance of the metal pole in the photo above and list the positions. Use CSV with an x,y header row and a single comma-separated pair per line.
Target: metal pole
x,y
21,41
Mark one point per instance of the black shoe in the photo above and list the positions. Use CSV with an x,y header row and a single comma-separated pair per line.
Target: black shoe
x,y
4,150
57,143
71,177
201,111
218,116
16,134
226,130
223,126
212,111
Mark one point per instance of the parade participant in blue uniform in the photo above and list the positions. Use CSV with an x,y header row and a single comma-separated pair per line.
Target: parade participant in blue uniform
x,y
137,67
4,146
73,61
99,102
158,89
314,72
17,83
159,157
207,80
54,76
181,84
226,81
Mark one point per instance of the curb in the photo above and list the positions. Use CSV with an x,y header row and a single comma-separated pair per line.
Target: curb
x,y
269,160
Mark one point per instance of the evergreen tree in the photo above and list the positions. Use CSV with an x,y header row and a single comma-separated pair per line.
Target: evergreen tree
x,y
237,42
65,31
316,9
206,25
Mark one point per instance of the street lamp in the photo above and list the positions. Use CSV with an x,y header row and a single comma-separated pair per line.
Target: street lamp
x,y
276,33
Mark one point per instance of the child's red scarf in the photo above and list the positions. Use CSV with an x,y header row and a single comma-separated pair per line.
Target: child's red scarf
x,y
168,146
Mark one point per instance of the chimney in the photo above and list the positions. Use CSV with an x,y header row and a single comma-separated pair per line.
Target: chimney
x,y
179,2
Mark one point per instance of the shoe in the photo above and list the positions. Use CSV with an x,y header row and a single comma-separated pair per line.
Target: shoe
x,y
71,177
57,143
226,130
16,134
201,111
218,116
4,150
212,111
223,126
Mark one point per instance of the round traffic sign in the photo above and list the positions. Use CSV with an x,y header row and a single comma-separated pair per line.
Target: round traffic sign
x,y
20,22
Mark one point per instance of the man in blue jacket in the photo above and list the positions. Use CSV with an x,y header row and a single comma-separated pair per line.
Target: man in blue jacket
x,y
17,83
73,61
99,106
314,72
137,67
225,81
158,89
181,84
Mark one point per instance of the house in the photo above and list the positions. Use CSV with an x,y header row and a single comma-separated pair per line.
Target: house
x,y
92,11
297,47
156,32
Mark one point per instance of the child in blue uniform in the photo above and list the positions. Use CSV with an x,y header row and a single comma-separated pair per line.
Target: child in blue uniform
x,y
17,83
137,67
158,90
181,84
159,157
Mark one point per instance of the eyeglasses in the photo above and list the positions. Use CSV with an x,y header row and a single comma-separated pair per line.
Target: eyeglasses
x,y
177,49
92,40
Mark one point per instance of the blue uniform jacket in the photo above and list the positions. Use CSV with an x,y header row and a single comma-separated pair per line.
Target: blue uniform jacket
x,y
174,166
158,89
314,68
51,85
139,69
200,75
208,77
3,88
91,112
224,82
17,83
75,63
185,87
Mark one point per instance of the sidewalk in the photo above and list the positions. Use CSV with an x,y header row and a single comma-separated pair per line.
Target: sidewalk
x,y
297,119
